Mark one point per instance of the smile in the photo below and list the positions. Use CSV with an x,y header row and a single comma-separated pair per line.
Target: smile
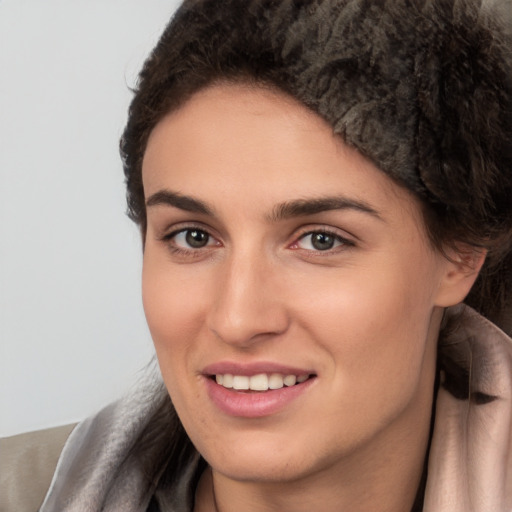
x,y
259,382
256,390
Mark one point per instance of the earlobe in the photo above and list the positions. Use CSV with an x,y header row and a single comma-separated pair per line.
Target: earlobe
x,y
462,266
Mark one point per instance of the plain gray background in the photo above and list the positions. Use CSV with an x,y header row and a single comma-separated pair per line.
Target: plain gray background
x,y
72,331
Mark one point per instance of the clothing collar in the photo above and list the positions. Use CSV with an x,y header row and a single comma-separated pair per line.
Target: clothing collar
x,y
469,466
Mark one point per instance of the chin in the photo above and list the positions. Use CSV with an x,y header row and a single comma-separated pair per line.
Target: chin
x,y
264,468
265,456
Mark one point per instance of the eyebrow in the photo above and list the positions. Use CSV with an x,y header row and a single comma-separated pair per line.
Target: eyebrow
x,y
186,203
282,211
304,207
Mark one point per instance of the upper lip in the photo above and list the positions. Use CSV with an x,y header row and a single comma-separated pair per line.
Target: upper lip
x,y
254,368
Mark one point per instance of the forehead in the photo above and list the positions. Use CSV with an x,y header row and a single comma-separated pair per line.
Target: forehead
x,y
238,143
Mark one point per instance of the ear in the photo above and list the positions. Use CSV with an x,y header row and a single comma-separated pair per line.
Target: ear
x,y
460,270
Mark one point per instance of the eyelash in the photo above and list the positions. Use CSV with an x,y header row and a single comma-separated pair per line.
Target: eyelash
x,y
170,240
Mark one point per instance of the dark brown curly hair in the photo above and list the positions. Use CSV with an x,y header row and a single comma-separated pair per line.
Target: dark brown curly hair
x,y
422,88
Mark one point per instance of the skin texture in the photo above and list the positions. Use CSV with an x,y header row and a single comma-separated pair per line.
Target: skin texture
x,y
363,316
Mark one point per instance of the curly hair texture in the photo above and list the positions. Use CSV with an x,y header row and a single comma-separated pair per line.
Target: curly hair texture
x,y
423,88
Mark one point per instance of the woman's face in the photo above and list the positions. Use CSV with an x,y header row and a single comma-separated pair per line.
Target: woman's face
x,y
275,253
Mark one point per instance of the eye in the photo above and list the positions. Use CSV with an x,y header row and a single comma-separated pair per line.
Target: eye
x,y
320,241
191,238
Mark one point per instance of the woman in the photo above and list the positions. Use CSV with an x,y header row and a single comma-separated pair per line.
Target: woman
x,y
320,186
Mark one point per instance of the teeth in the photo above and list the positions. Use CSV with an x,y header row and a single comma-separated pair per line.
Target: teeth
x,y
275,381
240,382
290,380
259,382
227,380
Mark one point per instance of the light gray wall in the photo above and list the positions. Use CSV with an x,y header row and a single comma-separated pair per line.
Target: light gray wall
x,y
72,331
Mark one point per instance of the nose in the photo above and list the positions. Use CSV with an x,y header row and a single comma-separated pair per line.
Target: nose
x,y
248,305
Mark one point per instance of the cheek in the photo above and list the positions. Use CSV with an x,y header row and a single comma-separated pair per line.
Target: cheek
x,y
374,325
172,308
173,323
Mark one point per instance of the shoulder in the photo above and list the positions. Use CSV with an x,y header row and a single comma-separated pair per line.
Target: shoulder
x,y
96,461
27,464
115,460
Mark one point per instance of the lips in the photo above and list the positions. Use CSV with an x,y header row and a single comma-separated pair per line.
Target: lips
x,y
255,390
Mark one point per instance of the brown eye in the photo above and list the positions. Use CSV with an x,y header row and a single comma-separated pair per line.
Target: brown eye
x,y
196,238
191,238
321,241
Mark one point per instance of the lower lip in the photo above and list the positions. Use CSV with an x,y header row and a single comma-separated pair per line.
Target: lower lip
x,y
254,404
